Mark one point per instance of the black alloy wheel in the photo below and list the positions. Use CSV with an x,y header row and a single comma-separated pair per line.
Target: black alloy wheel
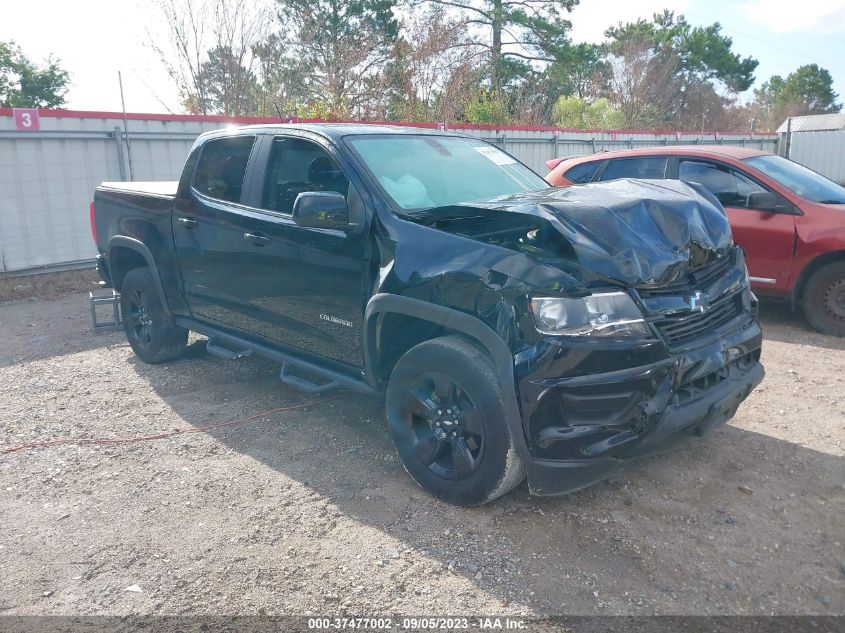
x,y
447,417
444,426
153,336
140,321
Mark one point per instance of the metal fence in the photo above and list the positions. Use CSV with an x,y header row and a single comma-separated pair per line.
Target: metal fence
x,y
48,174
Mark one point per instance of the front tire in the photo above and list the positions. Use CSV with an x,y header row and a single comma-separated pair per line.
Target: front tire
x,y
153,337
823,299
445,413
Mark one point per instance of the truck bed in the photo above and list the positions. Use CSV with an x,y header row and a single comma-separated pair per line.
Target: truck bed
x,y
162,189
139,211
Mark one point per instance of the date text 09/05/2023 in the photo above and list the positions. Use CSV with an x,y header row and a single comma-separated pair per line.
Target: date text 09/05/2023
x,y
418,623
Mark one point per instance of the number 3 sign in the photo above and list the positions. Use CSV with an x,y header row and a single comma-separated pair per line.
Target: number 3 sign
x,y
26,119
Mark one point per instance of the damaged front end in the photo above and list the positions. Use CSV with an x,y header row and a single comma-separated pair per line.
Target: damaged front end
x,y
626,306
588,407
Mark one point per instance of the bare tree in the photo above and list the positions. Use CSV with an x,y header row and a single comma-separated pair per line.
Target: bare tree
x,y
283,78
207,50
450,102
514,30
345,45
427,61
182,49
530,104
641,82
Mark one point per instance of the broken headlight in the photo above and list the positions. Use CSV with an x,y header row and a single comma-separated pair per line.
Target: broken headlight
x,y
608,314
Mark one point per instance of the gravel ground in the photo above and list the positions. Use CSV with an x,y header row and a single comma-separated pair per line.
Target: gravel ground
x,y
308,510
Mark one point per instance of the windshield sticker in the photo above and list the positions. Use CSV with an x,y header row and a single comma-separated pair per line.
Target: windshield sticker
x,y
495,155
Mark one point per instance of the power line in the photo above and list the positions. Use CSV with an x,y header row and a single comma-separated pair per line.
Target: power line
x,y
756,39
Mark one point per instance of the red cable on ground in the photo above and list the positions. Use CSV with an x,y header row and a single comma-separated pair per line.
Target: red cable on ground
x,y
160,436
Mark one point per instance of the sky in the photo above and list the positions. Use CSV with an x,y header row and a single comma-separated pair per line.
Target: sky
x,y
97,38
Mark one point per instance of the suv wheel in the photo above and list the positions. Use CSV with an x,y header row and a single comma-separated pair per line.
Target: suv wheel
x,y
823,299
446,416
152,336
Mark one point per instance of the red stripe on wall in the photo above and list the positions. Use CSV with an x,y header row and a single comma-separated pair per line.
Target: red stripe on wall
x,y
249,120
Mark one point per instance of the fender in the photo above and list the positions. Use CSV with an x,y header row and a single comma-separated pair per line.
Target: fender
x,y
139,247
459,322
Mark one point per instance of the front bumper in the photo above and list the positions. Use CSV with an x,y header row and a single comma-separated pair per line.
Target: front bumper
x,y
583,428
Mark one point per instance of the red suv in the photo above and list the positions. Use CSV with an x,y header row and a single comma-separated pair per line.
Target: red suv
x,y
789,219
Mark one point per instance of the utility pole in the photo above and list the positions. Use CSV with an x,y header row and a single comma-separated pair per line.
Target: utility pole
x,y
125,125
788,137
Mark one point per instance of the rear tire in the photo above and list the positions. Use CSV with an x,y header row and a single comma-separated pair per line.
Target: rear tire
x,y
152,335
823,299
447,419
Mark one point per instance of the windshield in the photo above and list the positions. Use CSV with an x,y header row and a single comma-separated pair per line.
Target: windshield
x,y
800,180
421,172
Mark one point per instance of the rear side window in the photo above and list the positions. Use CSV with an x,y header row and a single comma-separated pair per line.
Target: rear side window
x,y
582,173
222,166
640,167
729,187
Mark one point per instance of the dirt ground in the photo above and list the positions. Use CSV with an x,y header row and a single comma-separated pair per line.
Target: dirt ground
x,y
47,285
308,511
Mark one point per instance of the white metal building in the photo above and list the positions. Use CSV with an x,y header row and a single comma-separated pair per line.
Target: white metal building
x,y
816,141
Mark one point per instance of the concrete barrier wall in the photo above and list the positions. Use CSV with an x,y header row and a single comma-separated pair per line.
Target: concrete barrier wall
x,y
48,175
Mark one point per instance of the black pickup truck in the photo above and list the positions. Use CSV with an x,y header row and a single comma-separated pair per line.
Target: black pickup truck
x,y
515,329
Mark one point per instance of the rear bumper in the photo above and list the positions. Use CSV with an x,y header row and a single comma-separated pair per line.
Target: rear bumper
x,y
587,428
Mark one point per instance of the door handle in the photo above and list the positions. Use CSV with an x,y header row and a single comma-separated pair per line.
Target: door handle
x,y
259,239
188,223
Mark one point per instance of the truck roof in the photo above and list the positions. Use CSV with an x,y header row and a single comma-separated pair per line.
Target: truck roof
x,y
337,130
677,150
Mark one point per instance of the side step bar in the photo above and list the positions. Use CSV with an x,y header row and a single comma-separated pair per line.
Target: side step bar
x,y
334,379
215,349
305,385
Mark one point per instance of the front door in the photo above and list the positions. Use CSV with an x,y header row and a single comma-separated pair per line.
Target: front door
x,y
766,237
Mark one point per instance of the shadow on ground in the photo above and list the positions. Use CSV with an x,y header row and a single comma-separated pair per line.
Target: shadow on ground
x,y
680,527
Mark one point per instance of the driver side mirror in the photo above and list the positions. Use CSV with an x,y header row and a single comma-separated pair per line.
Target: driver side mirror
x,y
767,201
321,210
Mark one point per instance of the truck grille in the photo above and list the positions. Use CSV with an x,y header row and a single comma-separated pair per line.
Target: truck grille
x,y
700,278
682,327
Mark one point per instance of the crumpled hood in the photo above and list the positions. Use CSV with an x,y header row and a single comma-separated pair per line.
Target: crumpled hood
x,y
638,232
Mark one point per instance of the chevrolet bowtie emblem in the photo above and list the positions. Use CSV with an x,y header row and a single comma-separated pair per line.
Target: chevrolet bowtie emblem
x,y
699,301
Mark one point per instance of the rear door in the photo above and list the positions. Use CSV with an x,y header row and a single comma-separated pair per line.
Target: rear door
x,y
767,237
207,228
